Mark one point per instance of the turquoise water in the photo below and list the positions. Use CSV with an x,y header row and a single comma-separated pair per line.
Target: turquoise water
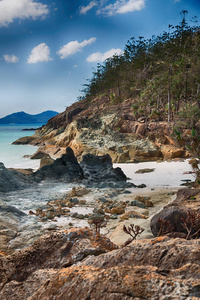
x,y
12,155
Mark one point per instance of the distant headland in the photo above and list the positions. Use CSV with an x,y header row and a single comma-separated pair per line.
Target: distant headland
x,y
24,118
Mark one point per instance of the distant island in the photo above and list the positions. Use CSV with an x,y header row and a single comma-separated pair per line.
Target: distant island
x,y
24,118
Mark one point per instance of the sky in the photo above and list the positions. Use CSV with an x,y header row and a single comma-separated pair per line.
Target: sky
x,y
49,48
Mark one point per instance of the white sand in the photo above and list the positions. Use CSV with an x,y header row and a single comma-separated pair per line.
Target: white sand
x,y
166,174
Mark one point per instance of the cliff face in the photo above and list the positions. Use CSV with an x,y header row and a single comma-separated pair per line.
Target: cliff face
x,y
101,126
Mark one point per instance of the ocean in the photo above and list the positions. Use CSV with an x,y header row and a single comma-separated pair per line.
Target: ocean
x,y
12,156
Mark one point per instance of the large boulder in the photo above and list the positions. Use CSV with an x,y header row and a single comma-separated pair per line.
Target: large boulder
x,y
10,217
174,216
65,168
100,169
45,161
167,220
11,180
78,264
58,250
39,155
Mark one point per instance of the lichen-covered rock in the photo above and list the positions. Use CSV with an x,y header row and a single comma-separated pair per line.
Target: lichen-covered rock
x,y
100,169
145,270
116,283
101,127
56,251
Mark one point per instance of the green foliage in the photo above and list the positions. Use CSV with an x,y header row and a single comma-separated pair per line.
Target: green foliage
x,y
135,106
112,96
160,75
177,133
163,71
194,132
190,114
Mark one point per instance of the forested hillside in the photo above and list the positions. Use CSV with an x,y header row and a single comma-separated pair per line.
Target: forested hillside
x,y
140,106
161,74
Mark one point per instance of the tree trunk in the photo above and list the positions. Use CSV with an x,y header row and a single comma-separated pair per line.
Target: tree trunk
x,y
118,87
169,93
198,100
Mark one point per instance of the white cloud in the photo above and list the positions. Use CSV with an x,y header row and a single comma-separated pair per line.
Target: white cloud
x,y
40,53
100,57
74,47
20,9
85,9
122,7
11,58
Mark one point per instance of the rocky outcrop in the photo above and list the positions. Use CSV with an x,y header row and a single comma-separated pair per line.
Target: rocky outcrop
x,y
45,161
65,168
40,155
183,211
9,219
80,264
11,180
55,251
17,231
102,127
100,169
92,169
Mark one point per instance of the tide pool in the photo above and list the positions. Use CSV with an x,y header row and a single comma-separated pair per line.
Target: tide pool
x,y
12,155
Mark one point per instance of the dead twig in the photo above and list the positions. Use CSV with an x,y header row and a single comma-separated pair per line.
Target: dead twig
x,y
133,231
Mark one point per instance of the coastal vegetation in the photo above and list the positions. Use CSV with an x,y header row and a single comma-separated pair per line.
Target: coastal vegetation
x,y
142,105
160,74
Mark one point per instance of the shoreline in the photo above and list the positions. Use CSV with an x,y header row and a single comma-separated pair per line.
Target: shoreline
x,y
44,202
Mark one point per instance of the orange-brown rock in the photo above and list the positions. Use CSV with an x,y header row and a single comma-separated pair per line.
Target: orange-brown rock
x,y
132,214
145,270
102,127
117,211
57,250
170,152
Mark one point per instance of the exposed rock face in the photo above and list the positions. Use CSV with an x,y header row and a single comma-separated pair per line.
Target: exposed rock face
x,y
16,230
173,213
11,180
65,168
39,155
45,161
100,169
54,268
55,251
9,218
101,127
92,169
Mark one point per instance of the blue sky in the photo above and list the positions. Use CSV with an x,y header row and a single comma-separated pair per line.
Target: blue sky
x,y
49,48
